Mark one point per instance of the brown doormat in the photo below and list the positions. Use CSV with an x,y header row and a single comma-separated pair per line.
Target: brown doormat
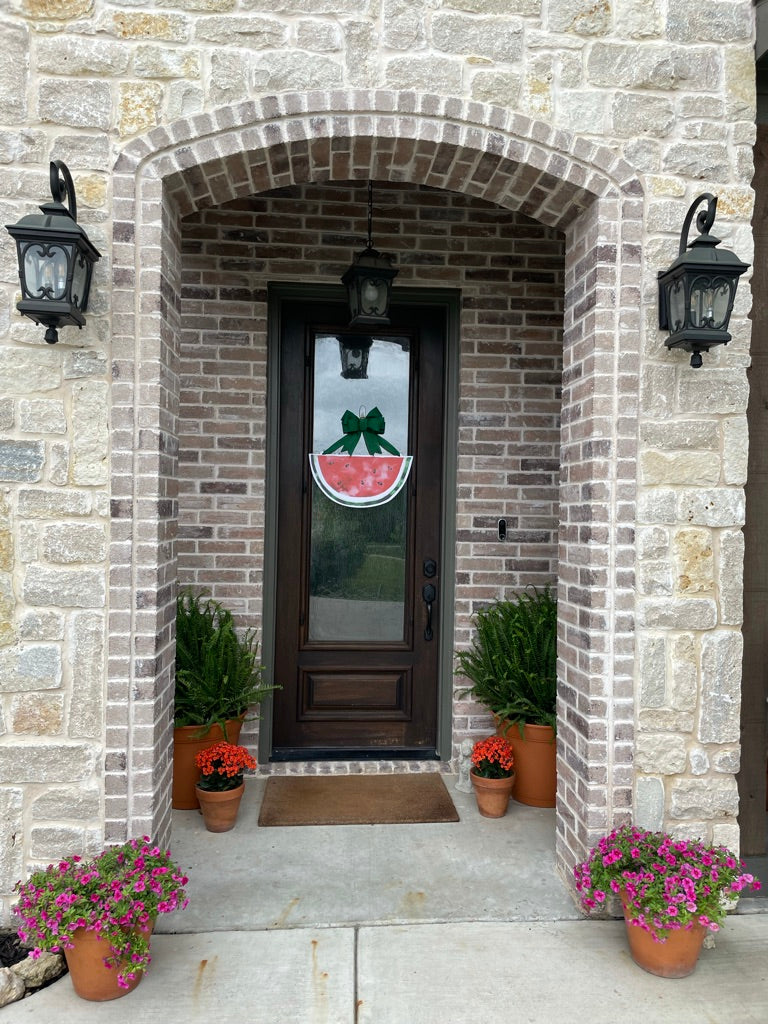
x,y
356,800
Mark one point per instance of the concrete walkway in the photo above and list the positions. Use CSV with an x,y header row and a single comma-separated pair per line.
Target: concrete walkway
x,y
534,972
419,924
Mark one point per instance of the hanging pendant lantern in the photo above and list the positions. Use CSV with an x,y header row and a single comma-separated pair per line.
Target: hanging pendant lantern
x,y
56,259
369,280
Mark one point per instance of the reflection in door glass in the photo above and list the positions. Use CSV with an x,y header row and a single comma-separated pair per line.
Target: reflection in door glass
x,y
358,555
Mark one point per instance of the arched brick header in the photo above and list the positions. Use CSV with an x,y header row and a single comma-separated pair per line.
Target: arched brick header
x,y
487,152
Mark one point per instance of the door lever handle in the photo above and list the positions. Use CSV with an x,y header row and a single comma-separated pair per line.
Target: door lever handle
x,y
429,594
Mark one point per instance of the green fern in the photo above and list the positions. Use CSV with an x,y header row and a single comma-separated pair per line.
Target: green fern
x,y
218,675
512,659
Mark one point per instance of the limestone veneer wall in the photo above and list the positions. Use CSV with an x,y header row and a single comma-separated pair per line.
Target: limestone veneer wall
x,y
616,115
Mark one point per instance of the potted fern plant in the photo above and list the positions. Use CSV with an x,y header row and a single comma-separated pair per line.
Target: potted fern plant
x,y
218,679
512,665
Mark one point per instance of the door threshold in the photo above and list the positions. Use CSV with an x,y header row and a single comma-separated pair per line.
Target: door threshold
x,y
352,754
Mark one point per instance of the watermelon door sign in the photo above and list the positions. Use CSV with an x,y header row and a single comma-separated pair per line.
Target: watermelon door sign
x,y
360,481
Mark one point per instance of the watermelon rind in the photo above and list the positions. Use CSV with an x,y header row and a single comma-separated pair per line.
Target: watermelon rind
x,y
360,501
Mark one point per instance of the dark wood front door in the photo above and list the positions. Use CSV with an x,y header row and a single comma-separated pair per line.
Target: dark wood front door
x,y
357,617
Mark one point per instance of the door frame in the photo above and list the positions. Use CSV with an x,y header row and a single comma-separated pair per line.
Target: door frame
x,y
446,300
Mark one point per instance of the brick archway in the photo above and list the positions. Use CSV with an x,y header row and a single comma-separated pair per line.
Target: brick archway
x,y
490,153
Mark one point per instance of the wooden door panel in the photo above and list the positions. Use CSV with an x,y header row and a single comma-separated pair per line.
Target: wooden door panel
x,y
357,671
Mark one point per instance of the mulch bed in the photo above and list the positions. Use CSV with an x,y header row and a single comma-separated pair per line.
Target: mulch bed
x,y
11,949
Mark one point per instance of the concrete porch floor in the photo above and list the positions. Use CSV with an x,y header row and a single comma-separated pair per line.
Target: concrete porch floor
x,y
476,869
415,924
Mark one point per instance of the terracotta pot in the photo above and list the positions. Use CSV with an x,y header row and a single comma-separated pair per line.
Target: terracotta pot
x,y
676,957
535,752
492,795
220,809
187,742
91,978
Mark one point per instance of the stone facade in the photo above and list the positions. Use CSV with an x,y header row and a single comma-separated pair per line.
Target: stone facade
x,y
588,128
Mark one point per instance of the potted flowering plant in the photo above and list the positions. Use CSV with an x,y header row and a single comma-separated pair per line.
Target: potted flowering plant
x,y
672,892
221,784
492,775
100,913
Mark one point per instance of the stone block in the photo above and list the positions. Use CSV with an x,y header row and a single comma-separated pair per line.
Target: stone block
x,y
498,39
653,670
654,578
14,74
160,62
11,832
42,504
423,72
74,542
66,588
649,803
724,392
657,506
40,763
42,625
42,416
684,675
639,19
661,753
678,468
722,506
6,536
84,362
580,17
663,720
721,655
691,613
172,28
37,714
697,160
85,103
728,836
90,429
727,761
652,543
138,107
713,21
641,114
21,461
687,435
82,151
24,370
231,73
7,609
292,71
27,668
694,562
704,798
402,25
698,761
735,450
52,842
63,55
80,802
86,714
499,87
255,33
730,577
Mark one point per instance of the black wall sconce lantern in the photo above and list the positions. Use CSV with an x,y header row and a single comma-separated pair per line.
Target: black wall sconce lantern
x,y
369,280
696,293
56,259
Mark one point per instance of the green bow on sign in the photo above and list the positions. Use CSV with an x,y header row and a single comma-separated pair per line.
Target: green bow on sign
x,y
369,427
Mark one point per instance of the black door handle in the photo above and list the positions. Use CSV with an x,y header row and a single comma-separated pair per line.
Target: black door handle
x,y
429,594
